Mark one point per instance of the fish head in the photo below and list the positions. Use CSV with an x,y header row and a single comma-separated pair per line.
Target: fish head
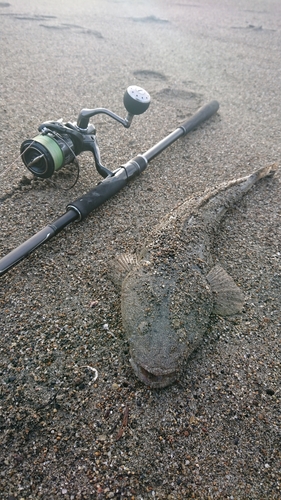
x,y
165,315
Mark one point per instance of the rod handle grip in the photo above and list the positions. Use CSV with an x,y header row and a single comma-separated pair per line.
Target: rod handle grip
x,y
203,114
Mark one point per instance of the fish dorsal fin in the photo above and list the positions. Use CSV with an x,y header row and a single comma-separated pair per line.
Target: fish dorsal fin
x,y
121,265
228,298
125,262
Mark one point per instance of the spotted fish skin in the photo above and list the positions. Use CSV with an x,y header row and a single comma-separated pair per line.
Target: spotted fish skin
x,y
172,287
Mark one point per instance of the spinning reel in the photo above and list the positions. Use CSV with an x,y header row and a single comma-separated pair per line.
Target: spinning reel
x,y
58,144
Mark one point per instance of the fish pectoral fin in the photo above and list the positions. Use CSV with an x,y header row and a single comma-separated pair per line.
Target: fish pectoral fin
x,y
120,266
228,298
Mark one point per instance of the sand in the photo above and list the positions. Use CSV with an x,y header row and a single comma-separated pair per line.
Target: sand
x,y
66,434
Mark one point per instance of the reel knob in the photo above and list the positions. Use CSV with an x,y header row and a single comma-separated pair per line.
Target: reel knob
x,y
136,100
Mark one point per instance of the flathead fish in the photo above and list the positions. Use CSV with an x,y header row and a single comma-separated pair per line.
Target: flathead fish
x,y
171,288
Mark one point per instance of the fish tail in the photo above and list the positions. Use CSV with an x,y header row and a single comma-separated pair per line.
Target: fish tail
x,y
245,183
267,171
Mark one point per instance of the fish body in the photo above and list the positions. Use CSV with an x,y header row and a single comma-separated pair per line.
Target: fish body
x,y
172,287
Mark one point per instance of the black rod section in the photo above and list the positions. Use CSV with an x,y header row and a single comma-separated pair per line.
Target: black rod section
x,y
85,204
48,232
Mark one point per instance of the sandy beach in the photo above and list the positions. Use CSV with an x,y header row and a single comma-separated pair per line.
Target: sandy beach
x,y
76,423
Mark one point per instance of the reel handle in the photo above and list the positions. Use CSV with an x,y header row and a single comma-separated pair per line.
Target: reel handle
x,y
136,100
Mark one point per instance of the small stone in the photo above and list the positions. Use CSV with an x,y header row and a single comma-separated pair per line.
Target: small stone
x,y
193,420
270,392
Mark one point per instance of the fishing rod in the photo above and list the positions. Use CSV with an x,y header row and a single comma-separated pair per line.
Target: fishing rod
x,y
58,144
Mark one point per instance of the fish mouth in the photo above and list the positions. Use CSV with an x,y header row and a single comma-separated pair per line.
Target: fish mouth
x,y
151,379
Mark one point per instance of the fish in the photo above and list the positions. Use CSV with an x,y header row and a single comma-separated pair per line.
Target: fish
x,y
171,288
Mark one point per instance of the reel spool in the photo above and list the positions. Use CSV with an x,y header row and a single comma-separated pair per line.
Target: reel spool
x,y
45,154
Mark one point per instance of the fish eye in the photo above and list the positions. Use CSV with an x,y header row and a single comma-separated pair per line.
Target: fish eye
x,y
143,327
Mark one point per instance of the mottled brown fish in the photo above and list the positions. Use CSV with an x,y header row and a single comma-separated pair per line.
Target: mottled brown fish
x,y
172,287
